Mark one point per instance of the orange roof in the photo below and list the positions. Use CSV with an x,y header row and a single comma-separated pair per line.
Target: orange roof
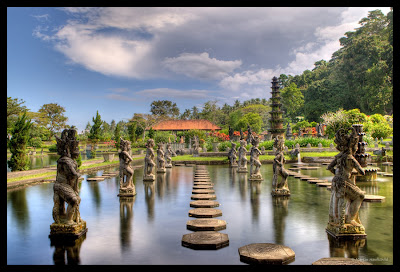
x,y
185,125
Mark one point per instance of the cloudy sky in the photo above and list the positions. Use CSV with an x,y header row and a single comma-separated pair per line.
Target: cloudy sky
x,y
119,60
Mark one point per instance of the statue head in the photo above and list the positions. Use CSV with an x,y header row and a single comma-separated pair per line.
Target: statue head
x,y
346,142
279,143
255,141
233,145
125,145
243,143
67,145
150,143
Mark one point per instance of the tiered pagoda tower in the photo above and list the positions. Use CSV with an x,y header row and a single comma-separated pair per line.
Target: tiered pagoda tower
x,y
276,113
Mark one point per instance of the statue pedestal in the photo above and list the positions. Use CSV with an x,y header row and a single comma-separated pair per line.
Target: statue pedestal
x,y
346,231
242,170
234,165
280,192
168,166
161,170
256,177
61,231
127,192
149,178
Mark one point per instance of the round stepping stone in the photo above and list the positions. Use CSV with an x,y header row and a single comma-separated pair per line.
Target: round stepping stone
x,y
95,178
309,167
205,240
323,184
202,183
313,181
205,212
374,198
266,253
298,176
340,261
203,191
204,204
206,224
202,187
202,180
203,197
307,178
388,175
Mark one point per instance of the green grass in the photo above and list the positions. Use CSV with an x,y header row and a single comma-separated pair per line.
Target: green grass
x,y
42,175
191,158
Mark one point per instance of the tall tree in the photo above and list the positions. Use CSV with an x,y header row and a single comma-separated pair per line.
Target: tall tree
x,y
117,136
164,108
292,100
95,130
53,117
14,109
19,160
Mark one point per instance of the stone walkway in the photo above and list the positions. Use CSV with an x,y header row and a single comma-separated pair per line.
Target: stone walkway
x,y
206,227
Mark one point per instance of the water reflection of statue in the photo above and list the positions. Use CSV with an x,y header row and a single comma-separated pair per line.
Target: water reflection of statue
x,y
230,133
255,163
160,159
280,210
70,249
66,188
168,156
149,161
232,156
149,198
347,248
281,188
346,197
126,186
125,217
255,189
160,184
242,163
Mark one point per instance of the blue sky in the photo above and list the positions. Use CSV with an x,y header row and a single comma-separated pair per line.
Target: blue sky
x,y
119,60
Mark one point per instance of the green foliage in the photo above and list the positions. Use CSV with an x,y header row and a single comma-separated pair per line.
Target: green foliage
x,y
95,130
164,108
292,99
151,133
342,119
302,124
163,137
268,145
117,136
377,126
52,117
19,161
35,142
222,146
79,160
53,148
252,119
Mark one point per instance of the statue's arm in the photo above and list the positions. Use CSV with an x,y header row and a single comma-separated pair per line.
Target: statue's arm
x,y
358,166
331,166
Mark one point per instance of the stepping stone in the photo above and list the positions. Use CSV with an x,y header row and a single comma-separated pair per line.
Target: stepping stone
x,y
266,253
205,212
204,204
323,184
206,224
202,180
374,198
179,164
203,191
307,178
201,183
199,187
309,167
203,197
388,175
205,240
313,181
97,178
381,173
294,169
340,261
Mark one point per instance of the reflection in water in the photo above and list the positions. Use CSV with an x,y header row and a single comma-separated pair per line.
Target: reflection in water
x,y
344,247
370,187
280,209
125,216
69,249
149,197
243,185
232,176
95,189
160,184
19,208
255,189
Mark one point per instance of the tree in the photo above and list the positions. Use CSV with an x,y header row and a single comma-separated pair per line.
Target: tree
x,y
164,108
117,136
195,113
95,130
185,115
132,131
252,119
14,109
19,160
53,117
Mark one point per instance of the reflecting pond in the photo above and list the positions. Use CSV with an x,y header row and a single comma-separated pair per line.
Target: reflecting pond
x,y
149,229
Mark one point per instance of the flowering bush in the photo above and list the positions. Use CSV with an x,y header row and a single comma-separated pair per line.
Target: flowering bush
x,y
219,136
110,145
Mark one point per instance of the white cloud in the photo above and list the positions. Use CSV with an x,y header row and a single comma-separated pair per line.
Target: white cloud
x,y
176,94
200,66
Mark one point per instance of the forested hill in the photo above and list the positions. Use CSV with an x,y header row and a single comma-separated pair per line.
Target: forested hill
x,y
359,75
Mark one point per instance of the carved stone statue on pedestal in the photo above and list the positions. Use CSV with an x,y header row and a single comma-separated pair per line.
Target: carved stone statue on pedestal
x,y
232,156
160,159
126,186
67,222
346,197
149,162
168,156
255,163
196,147
279,188
242,163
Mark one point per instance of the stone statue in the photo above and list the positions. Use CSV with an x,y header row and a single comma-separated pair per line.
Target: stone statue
x,y
242,163
232,156
196,146
66,189
126,186
281,188
241,134
230,133
289,132
319,130
160,159
249,134
149,161
255,163
346,197
168,156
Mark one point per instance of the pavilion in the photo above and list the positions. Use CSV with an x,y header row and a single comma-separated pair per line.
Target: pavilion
x,y
182,125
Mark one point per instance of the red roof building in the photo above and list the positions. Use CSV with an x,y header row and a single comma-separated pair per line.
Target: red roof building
x,y
180,125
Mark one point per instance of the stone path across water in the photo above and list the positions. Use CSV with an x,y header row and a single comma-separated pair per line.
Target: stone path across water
x,y
206,235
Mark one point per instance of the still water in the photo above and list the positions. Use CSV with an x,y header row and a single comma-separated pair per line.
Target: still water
x,y
149,229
